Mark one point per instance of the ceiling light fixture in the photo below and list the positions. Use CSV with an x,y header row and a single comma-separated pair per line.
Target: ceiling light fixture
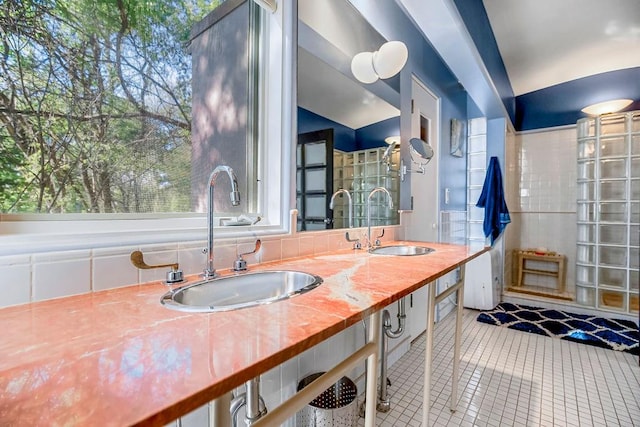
x,y
607,107
386,62
395,139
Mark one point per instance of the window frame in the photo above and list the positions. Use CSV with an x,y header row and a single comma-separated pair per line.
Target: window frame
x,y
33,233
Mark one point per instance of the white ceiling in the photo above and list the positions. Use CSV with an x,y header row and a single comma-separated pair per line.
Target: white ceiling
x,y
335,31
547,42
325,91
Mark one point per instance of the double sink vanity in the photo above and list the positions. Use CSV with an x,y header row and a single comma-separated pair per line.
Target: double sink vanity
x,y
119,357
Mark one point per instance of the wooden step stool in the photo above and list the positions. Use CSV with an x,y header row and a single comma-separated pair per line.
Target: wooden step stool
x,y
523,255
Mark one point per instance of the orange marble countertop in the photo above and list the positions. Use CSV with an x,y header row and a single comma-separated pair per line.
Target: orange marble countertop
x,y
118,357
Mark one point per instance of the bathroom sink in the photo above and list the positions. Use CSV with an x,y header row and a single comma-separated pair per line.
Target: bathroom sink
x,y
240,291
401,250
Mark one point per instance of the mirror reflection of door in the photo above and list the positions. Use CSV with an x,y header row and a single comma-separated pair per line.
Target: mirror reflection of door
x,y
314,179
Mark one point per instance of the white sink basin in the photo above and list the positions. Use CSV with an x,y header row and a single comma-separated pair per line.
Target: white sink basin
x,y
401,250
240,291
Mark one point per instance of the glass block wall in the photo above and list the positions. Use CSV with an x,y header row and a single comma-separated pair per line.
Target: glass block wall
x,y
476,171
360,172
608,212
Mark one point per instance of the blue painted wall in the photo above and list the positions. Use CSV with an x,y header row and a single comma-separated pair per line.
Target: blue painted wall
x,y
561,104
373,136
345,138
453,170
473,111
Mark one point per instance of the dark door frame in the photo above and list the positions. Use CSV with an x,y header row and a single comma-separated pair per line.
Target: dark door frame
x,y
325,135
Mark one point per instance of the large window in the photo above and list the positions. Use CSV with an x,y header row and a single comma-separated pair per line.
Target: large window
x,y
96,104
98,119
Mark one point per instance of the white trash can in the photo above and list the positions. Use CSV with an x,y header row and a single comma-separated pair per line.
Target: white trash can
x,y
337,406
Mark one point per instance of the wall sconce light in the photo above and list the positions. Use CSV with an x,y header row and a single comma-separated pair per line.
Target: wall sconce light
x,y
384,63
607,107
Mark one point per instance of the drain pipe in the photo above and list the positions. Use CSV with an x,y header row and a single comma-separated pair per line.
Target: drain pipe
x,y
384,402
255,407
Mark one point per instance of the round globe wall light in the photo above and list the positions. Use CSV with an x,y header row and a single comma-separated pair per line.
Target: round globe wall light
x,y
384,63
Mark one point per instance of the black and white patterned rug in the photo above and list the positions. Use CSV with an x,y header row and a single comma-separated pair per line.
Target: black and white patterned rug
x,y
615,334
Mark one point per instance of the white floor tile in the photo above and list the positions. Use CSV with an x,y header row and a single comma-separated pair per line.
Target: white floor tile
x,y
513,378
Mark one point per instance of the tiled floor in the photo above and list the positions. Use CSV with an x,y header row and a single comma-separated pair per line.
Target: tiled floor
x,y
513,378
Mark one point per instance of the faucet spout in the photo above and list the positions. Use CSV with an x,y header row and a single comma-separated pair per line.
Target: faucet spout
x,y
342,190
234,196
374,191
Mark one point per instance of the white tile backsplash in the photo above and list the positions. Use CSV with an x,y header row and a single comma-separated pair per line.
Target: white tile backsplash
x,y
61,278
53,257
14,286
225,255
113,271
306,245
37,277
290,248
192,258
320,243
272,250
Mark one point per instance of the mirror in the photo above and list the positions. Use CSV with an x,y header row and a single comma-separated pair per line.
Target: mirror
x,y
421,154
342,123
421,151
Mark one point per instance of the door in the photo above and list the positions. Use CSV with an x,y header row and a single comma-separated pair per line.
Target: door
x,y
314,179
425,119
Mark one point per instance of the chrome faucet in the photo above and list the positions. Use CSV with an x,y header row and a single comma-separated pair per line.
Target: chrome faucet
x,y
375,190
342,190
209,270
356,241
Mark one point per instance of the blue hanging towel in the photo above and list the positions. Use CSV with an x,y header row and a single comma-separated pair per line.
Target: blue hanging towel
x,y
496,214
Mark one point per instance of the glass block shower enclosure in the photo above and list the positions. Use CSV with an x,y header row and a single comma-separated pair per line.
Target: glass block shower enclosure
x,y
608,212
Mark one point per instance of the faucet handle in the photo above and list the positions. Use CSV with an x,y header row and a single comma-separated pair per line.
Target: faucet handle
x,y
240,264
173,276
357,244
377,242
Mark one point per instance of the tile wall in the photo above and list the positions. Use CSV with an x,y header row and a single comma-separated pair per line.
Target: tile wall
x,y
541,187
41,276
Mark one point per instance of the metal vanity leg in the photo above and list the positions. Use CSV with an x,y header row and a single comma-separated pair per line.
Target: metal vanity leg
x,y
432,300
219,411
371,394
428,354
455,376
